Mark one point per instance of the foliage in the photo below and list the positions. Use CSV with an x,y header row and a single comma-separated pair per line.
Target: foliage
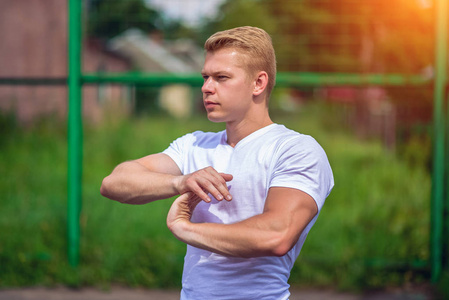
x,y
377,36
362,37
8,126
443,286
146,100
107,19
235,13
367,216
348,36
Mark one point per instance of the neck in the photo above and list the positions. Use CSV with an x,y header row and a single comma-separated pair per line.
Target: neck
x,y
236,131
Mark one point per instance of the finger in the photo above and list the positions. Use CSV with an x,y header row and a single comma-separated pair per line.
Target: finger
x,y
225,191
189,200
219,190
226,177
212,182
182,208
222,192
193,202
213,189
197,190
209,181
195,184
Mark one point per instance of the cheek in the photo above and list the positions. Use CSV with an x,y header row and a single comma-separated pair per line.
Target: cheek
x,y
243,89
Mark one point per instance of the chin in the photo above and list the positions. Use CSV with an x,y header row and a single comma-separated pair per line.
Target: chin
x,y
216,119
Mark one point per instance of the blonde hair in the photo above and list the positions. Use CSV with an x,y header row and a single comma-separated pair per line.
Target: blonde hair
x,y
254,43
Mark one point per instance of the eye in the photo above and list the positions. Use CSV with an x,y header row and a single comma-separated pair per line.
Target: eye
x,y
205,77
222,77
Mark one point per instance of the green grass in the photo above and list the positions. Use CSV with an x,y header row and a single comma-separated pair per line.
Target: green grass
x,y
378,210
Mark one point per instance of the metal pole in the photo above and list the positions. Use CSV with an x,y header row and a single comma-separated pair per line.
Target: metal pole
x,y
437,204
445,248
75,135
446,190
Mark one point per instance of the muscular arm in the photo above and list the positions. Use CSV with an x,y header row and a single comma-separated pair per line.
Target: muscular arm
x,y
273,233
156,177
143,180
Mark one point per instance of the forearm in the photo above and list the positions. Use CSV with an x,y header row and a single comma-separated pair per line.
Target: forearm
x,y
132,183
254,237
274,232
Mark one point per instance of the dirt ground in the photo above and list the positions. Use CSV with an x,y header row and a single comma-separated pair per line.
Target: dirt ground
x,y
119,293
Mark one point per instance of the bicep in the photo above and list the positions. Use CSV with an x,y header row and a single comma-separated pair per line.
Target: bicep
x,y
290,211
160,163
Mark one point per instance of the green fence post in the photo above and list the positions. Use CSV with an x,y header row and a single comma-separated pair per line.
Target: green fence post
x,y
75,131
437,203
445,247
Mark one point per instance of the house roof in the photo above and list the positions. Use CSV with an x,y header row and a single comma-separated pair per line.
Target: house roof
x,y
148,54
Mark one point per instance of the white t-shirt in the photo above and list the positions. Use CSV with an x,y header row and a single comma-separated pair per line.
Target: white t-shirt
x,y
273,156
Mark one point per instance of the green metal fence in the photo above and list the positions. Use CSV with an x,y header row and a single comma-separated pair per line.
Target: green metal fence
x,y
440,177
439,205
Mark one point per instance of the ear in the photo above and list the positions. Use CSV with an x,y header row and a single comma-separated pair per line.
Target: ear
x,y
261,82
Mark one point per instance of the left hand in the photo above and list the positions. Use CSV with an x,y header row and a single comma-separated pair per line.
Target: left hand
x,y
181,210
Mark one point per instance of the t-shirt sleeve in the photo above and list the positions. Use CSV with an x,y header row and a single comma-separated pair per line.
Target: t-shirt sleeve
x,y
302,164
177,150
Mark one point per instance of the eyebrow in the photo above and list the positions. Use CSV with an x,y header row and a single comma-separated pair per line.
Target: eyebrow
x,y
215,73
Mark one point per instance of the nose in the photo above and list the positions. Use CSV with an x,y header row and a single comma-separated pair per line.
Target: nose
x,y
207,87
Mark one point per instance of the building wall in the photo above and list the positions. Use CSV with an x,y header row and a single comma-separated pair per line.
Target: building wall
x,y
33,43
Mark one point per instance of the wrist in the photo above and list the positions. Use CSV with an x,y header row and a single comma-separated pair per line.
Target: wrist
x,y
176,184
179,228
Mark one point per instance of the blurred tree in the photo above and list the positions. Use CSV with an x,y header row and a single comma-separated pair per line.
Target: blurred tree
x,y
301,34
235,13
175,29
107,18
352,35
401,34
303,31
401,40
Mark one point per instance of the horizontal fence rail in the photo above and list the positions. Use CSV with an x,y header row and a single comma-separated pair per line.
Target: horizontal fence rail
x,y
299,79
33,81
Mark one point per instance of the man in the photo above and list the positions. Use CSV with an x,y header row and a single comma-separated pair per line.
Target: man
x,y
249,194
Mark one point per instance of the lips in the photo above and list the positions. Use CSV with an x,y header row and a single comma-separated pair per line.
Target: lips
x,y
210,104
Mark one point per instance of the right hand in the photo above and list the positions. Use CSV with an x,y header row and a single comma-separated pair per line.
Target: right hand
x,y
205,181
181,212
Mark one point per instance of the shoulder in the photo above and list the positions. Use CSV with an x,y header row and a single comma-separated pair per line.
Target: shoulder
x,y
200,138
301,163
287,139
207,137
